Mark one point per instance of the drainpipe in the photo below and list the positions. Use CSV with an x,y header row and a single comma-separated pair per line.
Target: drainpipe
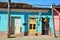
x,y
9,18
53,19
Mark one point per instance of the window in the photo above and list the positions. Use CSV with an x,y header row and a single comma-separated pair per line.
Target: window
x,y
34,26
30,26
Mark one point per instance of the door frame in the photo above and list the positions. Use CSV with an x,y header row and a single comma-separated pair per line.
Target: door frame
x,y
49,33
32,24
14,23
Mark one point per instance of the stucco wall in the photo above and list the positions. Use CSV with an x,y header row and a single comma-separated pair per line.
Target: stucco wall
x,y
24,19
49,14
3,21
56,22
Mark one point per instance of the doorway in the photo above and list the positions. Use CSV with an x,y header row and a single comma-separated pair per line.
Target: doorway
x,y
15,25
45,26
32,25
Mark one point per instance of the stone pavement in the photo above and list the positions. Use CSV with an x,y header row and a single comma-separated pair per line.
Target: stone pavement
x,y
32,38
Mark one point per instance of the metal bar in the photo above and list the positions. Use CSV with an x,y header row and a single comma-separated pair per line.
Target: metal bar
x,y
8,18
53,19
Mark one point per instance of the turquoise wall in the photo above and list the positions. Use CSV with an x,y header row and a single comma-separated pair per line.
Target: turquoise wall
x,y
24,19
39,23
3,21
49,14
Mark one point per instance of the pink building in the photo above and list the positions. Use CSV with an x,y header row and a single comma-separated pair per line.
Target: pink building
x,y
57,19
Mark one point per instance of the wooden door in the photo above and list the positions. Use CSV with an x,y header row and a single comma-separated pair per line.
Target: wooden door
x,y
32,25
17,26
45,26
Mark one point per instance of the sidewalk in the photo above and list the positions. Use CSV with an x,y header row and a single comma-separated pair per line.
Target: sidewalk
x,y
32,38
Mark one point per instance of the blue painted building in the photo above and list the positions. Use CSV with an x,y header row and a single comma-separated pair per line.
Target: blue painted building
x,y
26,21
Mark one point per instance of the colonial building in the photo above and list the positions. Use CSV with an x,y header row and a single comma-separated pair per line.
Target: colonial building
x,y
26,20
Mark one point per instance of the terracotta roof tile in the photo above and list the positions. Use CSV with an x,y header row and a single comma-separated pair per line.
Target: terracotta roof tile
x,y
19,6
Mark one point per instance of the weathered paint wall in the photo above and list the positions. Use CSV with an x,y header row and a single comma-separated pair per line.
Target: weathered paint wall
x,y
56,22
24,19
51,23
49,14
3,21
39,23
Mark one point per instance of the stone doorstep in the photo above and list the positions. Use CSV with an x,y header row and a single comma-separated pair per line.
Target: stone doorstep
x,y
15,35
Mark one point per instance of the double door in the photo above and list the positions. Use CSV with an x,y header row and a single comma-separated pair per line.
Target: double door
x,y
32,26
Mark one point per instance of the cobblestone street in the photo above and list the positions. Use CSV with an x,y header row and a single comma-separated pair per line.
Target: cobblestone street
x,y
32,38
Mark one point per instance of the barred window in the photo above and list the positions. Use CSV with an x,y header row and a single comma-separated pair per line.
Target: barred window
x,y
30,26
34,26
